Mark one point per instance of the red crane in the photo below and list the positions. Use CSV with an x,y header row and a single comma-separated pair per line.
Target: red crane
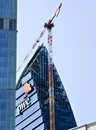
x,y
49,27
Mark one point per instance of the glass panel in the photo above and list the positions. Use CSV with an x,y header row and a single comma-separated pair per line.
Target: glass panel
x,y
26,78
33,99
29,120
28,112
41,127
2,127
1,23
34,124
12,24
20,92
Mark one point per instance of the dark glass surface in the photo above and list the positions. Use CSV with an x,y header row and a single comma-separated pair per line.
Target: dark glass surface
x,y
39,71
1,23
12,24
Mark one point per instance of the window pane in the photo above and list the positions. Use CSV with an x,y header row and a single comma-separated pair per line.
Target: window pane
x,y
12,24
1,23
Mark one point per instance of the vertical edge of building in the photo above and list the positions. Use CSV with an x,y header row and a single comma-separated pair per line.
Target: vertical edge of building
x,y
8,45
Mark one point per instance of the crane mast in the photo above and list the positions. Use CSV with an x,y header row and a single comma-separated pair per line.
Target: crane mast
x,y
49,27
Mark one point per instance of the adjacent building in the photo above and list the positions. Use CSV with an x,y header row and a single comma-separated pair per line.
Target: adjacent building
x,y
90,126
32,103
8,19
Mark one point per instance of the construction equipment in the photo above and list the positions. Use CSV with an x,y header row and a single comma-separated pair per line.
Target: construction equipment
x,y
49,27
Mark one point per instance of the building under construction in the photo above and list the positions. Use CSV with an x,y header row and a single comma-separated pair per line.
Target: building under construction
x,y
32,97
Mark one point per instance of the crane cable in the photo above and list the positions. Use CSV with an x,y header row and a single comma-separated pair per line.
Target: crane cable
x,y
55,14
33,47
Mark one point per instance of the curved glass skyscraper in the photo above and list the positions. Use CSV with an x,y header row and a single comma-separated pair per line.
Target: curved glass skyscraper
x,y
8,20
32,93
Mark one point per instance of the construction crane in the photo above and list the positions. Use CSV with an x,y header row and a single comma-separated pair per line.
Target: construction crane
x,y
49,27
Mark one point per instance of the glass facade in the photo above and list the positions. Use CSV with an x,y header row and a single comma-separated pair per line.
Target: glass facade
x,y
32,109
8,18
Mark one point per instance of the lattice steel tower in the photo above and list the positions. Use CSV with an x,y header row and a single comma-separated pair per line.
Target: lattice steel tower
x,y
49,27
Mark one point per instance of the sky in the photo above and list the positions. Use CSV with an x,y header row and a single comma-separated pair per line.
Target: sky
x,y
74,47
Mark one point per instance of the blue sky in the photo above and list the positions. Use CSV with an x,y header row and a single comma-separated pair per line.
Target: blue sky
x,y
74,47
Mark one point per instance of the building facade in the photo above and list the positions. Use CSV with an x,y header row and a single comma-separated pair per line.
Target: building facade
x,y
8,19
32,103
90,126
